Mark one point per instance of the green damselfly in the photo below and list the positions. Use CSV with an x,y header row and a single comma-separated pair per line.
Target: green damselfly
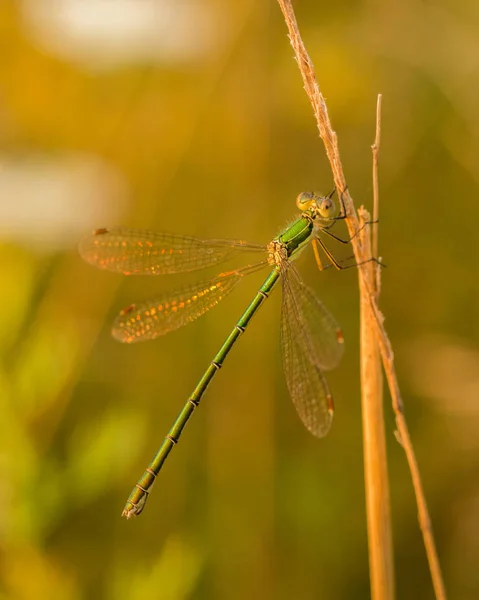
x,y
311,340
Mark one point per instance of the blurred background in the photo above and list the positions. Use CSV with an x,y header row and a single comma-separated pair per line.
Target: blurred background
x,y
189,116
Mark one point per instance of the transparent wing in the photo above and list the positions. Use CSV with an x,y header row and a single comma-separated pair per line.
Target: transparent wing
x,y
144,252
326,337
306,383
155,317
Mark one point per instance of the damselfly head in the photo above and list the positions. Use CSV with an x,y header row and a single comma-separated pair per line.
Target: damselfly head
x,y
320,206
326,207
305,200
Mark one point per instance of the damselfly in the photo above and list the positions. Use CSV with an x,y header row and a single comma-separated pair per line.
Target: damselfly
x,y
311,340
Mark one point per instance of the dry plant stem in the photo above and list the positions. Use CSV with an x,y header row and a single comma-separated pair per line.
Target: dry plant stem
x,y
381,563
321,114
404,439
375,148
331,145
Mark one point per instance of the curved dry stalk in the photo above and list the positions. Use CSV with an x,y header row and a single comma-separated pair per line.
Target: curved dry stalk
x,y
362,254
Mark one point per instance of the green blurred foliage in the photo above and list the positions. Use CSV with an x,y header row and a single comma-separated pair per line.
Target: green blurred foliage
x,y
249,505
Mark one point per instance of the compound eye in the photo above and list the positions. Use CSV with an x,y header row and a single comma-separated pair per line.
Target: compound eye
x,y
304,200
326,208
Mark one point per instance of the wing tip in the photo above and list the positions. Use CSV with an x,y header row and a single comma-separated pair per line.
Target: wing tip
x,y
127,310
330,402
322,426
87,244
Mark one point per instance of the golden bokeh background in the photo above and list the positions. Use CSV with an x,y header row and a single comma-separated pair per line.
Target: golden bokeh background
x,y
189,117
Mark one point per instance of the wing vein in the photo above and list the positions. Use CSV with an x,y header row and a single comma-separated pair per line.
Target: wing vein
x,y
159,315
144,252
306,383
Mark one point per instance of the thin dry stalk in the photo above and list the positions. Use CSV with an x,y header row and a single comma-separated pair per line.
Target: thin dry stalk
x,y
381,563
330,141
375,148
